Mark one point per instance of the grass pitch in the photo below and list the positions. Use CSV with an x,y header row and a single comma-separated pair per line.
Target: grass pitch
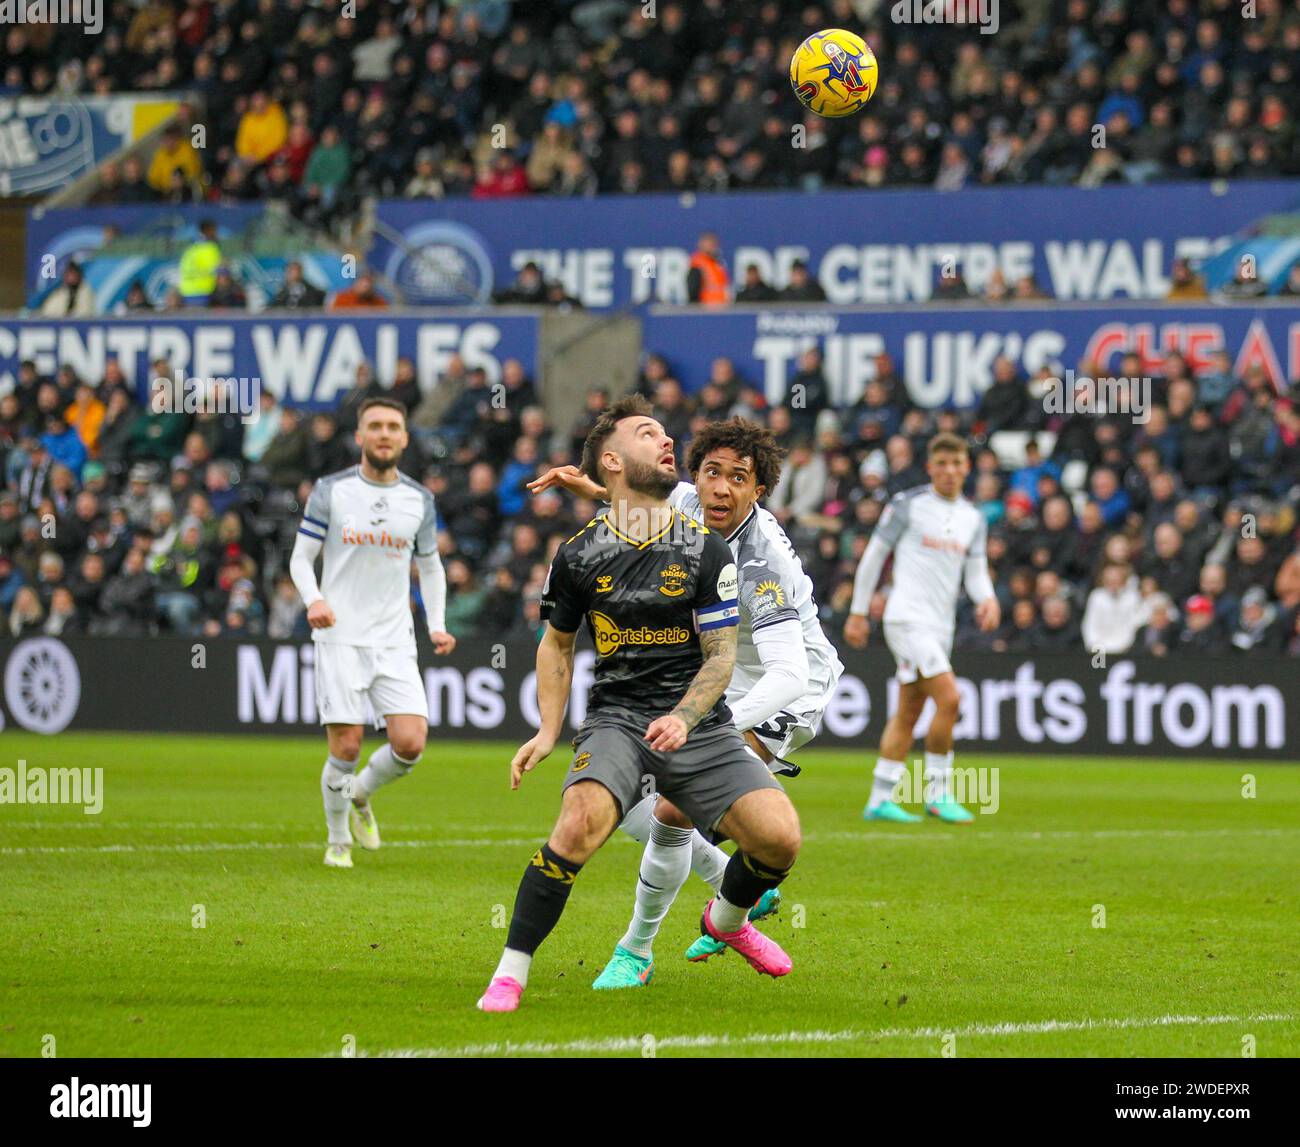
x,y
907,940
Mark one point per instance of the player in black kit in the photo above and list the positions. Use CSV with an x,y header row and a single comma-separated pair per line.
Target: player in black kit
x,y
658,592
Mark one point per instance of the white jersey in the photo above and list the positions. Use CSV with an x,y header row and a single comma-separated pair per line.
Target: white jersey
x,y
773,588
370,533
935,542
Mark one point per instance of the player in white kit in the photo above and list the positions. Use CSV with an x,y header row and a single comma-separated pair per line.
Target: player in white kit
x,y
370,521
938,541
786,670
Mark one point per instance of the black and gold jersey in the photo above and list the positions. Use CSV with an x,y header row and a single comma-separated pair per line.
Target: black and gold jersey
x,y
645,604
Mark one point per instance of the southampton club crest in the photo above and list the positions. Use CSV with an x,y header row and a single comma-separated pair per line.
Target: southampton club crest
x,y
674,581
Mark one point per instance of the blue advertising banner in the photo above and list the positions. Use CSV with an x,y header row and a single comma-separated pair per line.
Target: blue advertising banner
x,y
301,361
48,142
864,247
945,353
260,277
56,237
1268,258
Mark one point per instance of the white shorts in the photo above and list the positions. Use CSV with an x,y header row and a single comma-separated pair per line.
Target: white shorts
x,y
783,734
919,650
349,676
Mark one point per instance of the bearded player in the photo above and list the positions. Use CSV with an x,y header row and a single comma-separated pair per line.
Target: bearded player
x,y
938,539
369,521
658,593
786,669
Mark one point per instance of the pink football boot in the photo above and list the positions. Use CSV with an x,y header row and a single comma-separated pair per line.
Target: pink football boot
x,y
502,995
763,954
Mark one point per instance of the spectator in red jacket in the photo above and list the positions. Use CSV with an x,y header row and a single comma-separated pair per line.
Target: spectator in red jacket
x,y
296,151
362,295
502,179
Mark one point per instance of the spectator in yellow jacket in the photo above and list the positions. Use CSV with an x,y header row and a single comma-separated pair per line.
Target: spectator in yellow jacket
x,y
175,153
263,130
1184,283
150,17
86,417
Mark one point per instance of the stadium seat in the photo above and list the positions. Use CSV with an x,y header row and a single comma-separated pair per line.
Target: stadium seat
x,y
1074,477
1009,446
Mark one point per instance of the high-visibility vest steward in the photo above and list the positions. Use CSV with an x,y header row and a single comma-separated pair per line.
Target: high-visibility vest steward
x,y
715,284
199,263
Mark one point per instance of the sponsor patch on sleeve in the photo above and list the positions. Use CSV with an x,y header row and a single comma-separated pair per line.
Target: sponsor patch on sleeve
x,y
767,597
727,582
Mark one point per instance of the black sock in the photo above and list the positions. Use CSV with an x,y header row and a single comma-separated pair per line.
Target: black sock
x,y
745,880
543,892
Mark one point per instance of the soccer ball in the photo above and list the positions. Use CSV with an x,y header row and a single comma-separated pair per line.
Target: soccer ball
x,y
833,73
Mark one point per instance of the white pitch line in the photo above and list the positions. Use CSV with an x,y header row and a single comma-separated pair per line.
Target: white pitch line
x,y
204,825
865,837
690,1042
99,823
251,846
1050,834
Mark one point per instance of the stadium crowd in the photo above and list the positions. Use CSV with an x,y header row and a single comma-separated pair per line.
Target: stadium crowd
x,y
1163,521
1174,530
488,98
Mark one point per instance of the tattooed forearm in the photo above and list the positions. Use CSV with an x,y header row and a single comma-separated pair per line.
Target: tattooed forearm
x,y
554,677
719,648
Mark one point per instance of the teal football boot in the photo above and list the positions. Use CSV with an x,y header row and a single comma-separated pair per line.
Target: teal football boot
x,y
624,970
888,810
707,946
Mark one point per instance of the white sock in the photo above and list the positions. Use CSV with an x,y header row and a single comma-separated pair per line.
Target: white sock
x,y
884,780
515,965
665,865
726,916
637,822
708,861
383,767
938,776
336,783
